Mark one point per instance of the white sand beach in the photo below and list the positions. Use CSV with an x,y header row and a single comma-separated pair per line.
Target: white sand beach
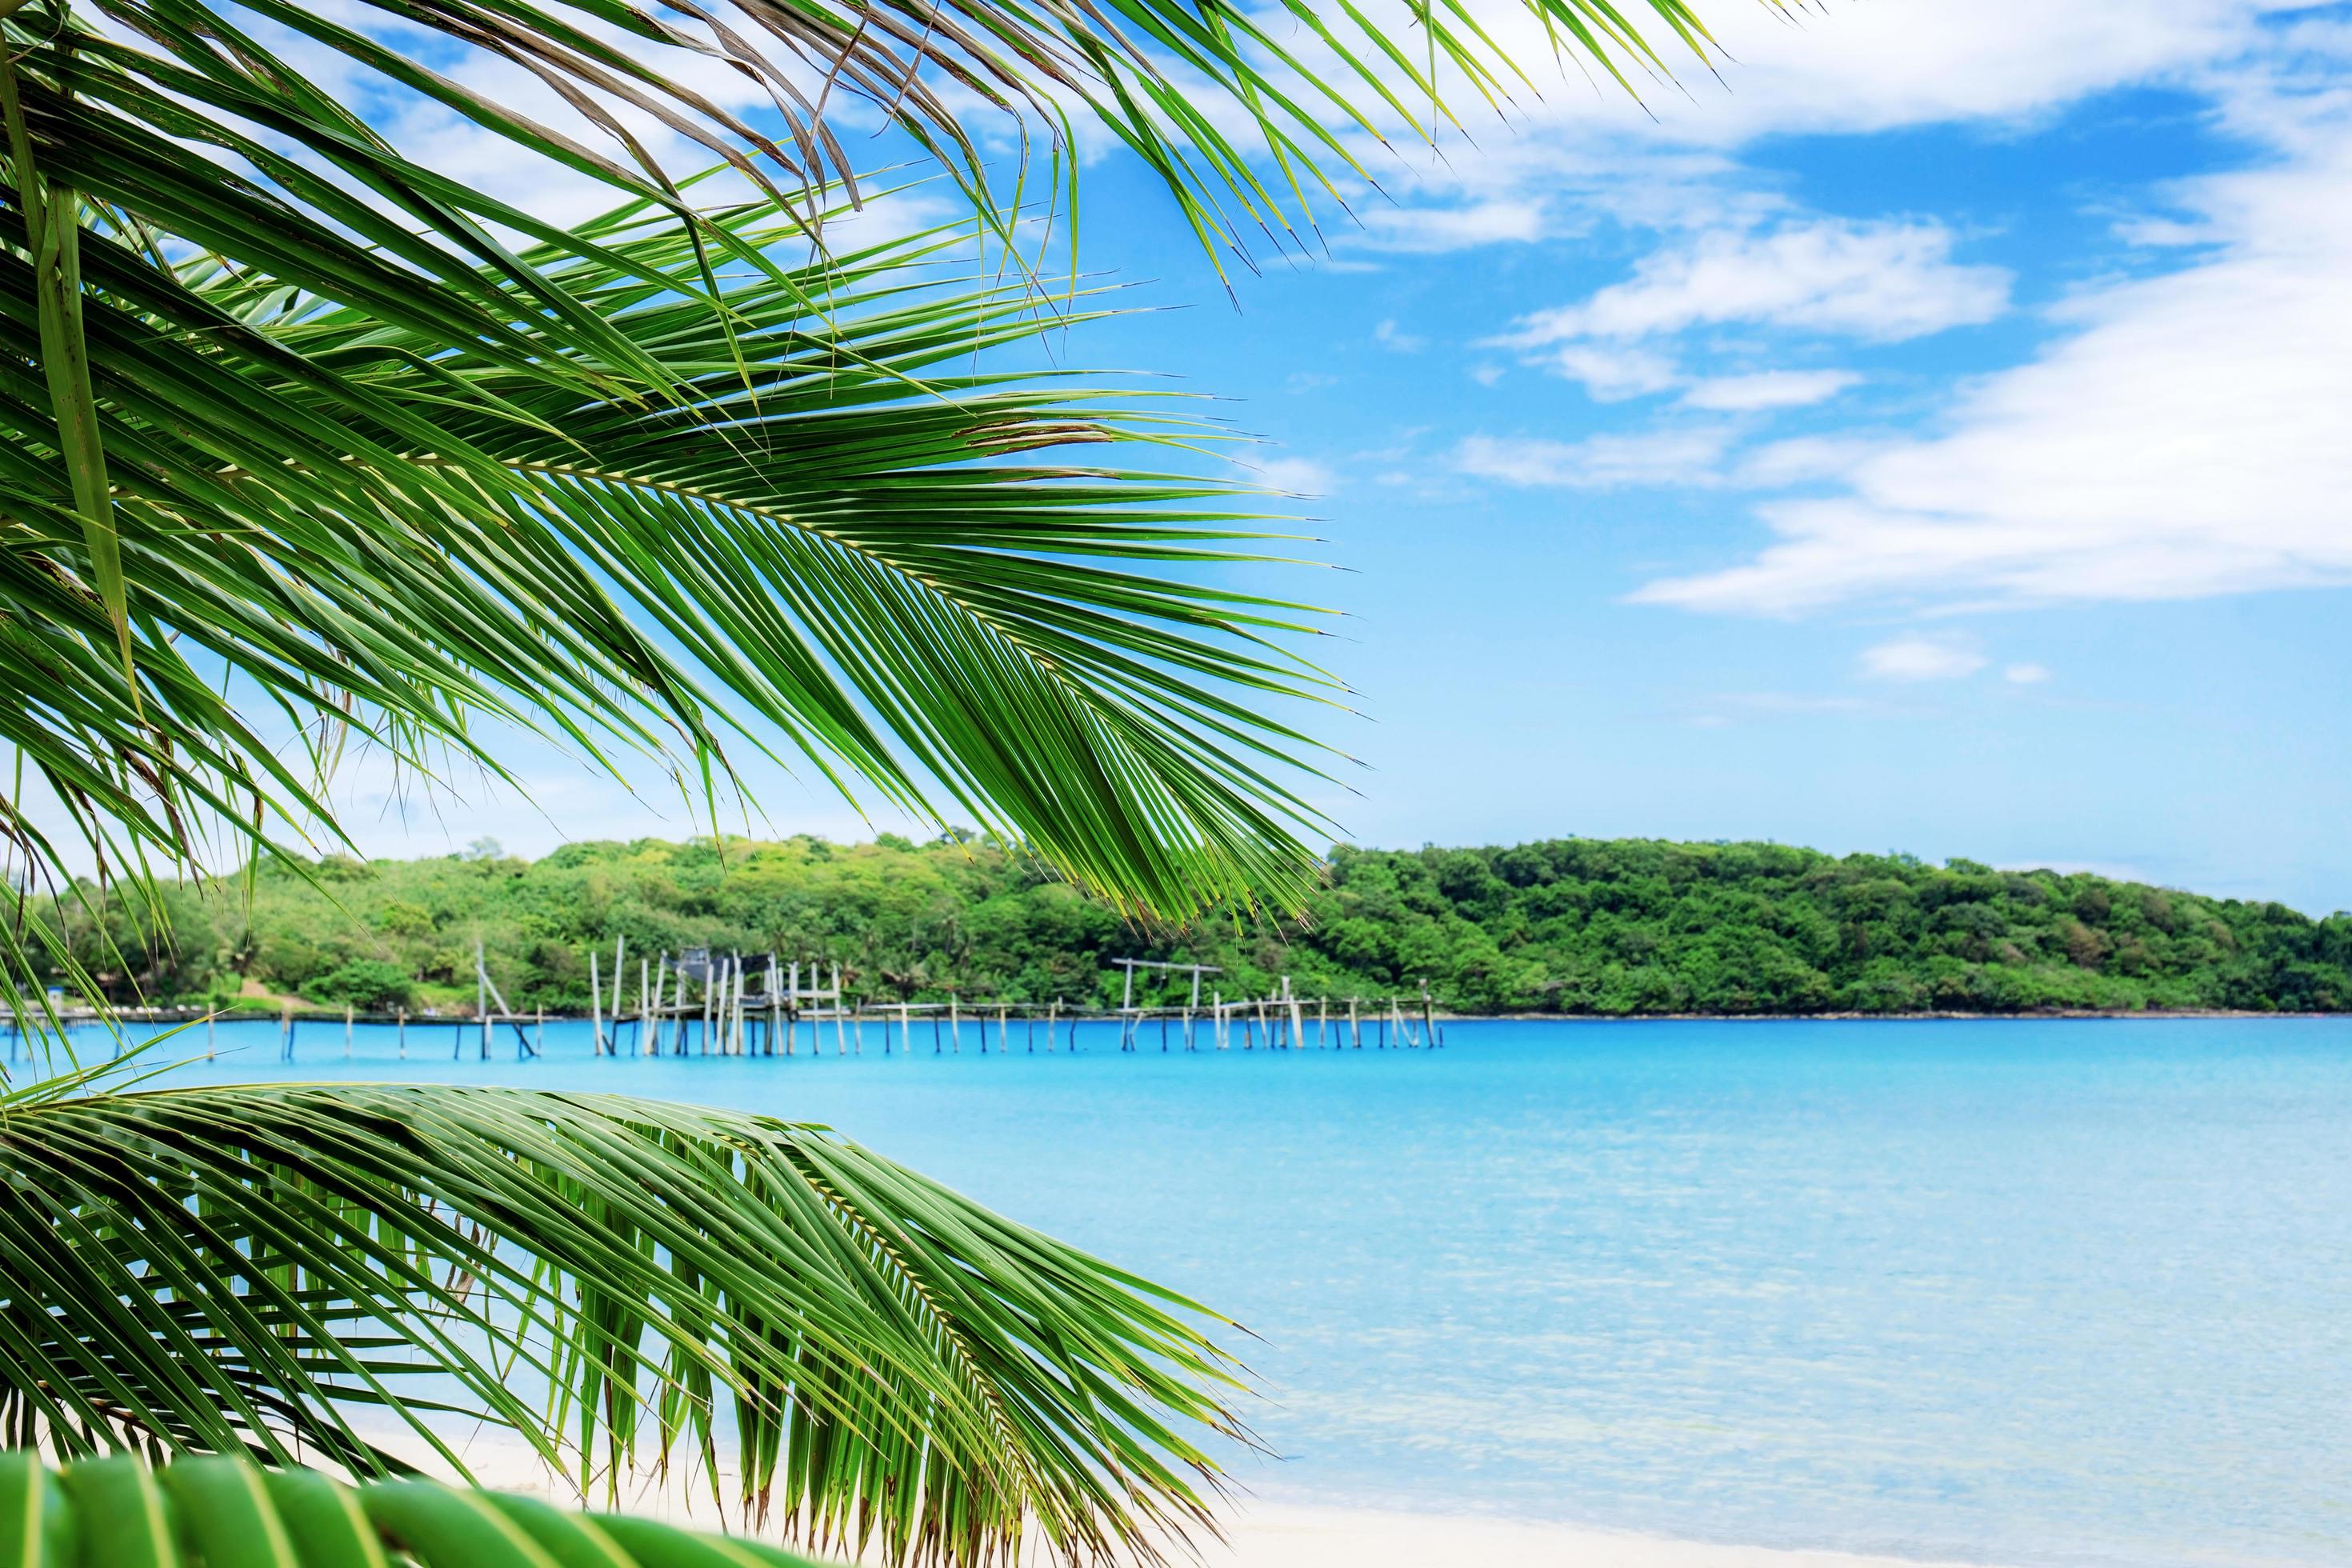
x,y
1261,1534
1298,1537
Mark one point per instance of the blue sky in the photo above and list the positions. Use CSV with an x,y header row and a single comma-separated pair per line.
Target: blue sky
x,y
1932,437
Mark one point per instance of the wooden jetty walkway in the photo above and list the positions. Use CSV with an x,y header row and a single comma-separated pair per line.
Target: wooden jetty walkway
x,y
703,1004
712,1005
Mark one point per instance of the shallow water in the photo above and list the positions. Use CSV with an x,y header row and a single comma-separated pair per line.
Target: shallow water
x,y
2019,1293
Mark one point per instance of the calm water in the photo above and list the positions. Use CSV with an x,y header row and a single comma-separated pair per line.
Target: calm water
x,y
2022,1293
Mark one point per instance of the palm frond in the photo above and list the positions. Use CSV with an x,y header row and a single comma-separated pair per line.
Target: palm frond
x,y
311,415
829,509
115,1513
263,1270
1163,77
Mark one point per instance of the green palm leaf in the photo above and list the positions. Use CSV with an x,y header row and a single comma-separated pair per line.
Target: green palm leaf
x,y
220,1513
618,1282
309,412
836,516
1156,73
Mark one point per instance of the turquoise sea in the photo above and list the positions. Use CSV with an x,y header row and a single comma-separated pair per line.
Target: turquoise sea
x,y
2008,1292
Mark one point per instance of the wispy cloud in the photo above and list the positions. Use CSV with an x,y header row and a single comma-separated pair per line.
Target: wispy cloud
x,y
1767,389
1292,476
1882,282
1611,373
1434,228
2185,438
1845,70
1598,462
1920,657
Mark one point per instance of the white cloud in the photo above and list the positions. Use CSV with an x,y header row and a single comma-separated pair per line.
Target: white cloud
x,y
1432,228
1576,152
1917,657
1293,476
2026,674
1865,67
1611,374
1882,281
2186,439
1598,462
1768,389
1803,460
1389,335
1870,67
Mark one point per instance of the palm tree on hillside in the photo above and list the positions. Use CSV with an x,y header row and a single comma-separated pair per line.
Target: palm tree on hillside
x,y
312,446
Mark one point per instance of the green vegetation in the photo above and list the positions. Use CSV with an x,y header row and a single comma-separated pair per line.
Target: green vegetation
x,y
285,1270
205,1513
1584,926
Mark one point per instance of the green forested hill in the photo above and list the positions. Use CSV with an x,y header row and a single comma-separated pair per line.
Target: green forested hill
x,y
1586,926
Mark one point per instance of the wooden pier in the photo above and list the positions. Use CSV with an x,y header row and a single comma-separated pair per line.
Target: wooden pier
x,y
704,1004
711,1004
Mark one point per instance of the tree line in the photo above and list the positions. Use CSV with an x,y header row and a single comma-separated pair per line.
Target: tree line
x,y
1593,927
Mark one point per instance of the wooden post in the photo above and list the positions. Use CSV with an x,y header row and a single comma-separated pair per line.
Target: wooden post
x,y
645,1003
482,997
1252,1044
1004,1040
841,1030
906,1032
792,1010
1428,1018
1053,1017
210,1018
1355,1025
955,1023
347,1031
403,1034
286,1032
1322,1022
538,1036
775,1008
595,1007
738,1010
620,950
1298,1020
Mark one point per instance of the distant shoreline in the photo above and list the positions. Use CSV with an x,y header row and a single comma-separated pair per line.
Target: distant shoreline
x,y
446,1020
2150,1015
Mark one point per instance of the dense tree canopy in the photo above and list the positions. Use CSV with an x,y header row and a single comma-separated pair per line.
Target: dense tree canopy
x,y
1580,926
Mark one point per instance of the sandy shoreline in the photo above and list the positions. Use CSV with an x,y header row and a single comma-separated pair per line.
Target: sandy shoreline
x,y
1261,1534
1290,1536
